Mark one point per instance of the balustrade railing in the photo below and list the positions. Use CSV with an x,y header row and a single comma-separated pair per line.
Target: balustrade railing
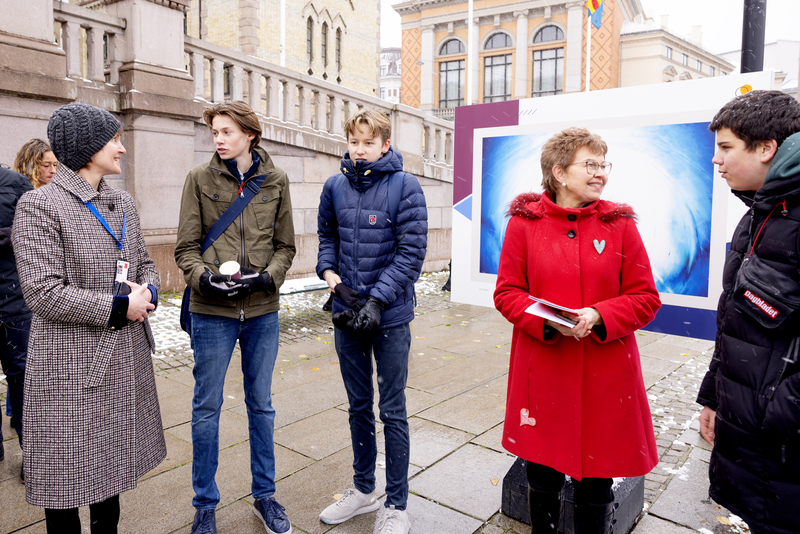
x,y
98,32
90,39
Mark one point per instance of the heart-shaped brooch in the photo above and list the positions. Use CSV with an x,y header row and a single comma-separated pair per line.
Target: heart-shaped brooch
x,y
599,246
524,419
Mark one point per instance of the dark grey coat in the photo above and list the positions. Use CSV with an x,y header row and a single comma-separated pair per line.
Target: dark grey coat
x,y
92,422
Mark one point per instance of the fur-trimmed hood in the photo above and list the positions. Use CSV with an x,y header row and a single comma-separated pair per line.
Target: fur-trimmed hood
x,y
532,206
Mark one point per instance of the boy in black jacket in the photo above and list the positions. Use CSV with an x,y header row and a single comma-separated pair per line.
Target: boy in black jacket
x,y
751,392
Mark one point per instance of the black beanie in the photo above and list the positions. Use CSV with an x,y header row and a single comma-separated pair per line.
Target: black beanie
x,y
79,131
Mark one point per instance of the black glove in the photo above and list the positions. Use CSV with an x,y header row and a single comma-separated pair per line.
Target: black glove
x,y
369,317
350,297
252,281
220,286
344,320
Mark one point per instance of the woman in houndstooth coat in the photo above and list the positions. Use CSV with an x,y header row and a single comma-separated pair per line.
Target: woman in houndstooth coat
x,y
92,422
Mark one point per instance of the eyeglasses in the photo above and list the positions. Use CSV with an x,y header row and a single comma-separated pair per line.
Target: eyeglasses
x,y
592,166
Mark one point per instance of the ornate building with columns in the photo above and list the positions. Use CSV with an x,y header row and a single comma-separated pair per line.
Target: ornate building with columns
x,y
522,49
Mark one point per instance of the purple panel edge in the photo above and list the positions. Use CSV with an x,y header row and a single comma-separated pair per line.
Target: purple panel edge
x,y
467,119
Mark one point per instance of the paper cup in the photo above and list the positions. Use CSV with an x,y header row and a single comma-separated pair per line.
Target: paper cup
x,y
232,269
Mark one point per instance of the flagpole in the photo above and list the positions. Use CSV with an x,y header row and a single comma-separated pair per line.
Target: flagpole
x,y
470,55
588,49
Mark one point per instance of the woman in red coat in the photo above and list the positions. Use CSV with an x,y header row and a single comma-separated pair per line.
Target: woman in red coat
x,y
576,399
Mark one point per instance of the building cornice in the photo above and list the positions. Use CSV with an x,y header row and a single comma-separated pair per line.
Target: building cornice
x,y
484,16
178,5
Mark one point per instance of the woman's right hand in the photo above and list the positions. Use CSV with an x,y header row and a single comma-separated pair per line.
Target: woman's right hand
x,y
139,302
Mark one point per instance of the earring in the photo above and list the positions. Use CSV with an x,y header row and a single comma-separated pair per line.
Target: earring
x,y
564,184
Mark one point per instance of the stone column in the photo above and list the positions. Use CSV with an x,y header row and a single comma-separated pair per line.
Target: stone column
x,y
217,85
321,113
522,59
159,113
427,69
248,27
199,74
94,48
289,91
305,106
254,90
336,115
236,82
273,97
70,39
473,77
574,53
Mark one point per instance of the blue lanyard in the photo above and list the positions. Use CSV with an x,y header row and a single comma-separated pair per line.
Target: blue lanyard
x,y
104,223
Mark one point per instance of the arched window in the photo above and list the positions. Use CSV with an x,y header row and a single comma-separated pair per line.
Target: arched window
x,y
547,34
452,46
324,44
498,40
310,39
338,49
548,63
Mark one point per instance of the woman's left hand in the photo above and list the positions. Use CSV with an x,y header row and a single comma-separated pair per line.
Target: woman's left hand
x,y
587,319
139,302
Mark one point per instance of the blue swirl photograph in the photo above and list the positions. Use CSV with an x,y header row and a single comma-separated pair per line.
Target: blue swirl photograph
x,y
664,172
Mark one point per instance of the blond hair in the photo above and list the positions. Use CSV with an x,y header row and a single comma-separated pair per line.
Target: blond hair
x,y
377,123
242,114
561,148
29,158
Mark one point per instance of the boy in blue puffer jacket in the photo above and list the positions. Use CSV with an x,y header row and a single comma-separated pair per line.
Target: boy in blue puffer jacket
x,y
372,262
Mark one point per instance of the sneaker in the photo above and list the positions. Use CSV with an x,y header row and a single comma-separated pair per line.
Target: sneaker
x,y
272,515
350,505
205,522
392,521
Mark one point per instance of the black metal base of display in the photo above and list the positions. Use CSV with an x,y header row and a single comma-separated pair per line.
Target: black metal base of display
x,y
628,494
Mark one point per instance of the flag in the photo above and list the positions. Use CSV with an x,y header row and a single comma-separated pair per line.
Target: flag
x,y
596,12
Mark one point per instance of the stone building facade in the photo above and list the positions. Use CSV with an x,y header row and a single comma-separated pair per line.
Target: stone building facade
x,y
522,49
390,75
655,55
130,57
335,40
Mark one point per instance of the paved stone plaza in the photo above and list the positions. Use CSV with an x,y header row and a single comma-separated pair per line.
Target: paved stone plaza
x,y
458,370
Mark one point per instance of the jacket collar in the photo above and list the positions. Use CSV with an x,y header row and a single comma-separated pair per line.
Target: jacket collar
x,y
264,167
72,182
363,174
534,206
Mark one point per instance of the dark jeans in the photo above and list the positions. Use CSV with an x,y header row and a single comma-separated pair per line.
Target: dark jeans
x,y
104,518
213,341
13,355
587,490
390,347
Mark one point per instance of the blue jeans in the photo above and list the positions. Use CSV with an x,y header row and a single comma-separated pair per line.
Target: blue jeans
x,y
13,356
213,341
390,347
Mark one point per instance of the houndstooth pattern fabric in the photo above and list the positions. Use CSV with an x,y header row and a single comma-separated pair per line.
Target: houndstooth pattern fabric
x,y
92,422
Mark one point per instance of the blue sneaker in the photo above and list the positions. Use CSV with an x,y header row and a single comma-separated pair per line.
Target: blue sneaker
x,y
205,522
272,515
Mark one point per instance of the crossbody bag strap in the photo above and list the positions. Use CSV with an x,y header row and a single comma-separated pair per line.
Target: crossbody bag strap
x,y
233,211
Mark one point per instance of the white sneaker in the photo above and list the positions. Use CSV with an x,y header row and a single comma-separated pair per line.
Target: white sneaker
x,y
392,521
350,505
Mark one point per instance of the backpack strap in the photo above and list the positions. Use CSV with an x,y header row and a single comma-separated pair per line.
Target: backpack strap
x,y
233,211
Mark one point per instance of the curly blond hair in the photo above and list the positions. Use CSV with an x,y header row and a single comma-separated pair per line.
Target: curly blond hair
x,y
29,158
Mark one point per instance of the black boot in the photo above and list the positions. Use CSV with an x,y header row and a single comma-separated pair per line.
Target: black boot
x,y
328,306
545,509
594,518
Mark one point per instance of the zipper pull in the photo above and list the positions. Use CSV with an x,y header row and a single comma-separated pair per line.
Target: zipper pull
x,y
241,316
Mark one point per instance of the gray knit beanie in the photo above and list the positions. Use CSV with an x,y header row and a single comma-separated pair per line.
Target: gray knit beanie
x,y
79,131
